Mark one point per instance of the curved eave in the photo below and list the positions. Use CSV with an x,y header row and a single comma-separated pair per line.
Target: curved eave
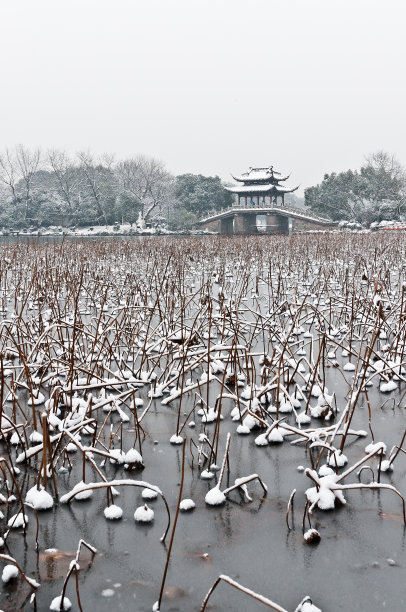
x,y
260,189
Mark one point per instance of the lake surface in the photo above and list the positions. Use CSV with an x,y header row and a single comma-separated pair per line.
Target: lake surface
x,y
360,561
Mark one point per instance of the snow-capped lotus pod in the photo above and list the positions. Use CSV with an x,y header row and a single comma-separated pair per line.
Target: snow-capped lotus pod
x,y
243,430
275,436
144,514
176,439
306,605
312,536
337,458
9,572
317,391
261,440
138,402
215,497
86,494
235,413
35,437
40,499
15,440
149,494
386,466
373,447
57,606
285,406
206,475
210,416
133,459
17,521
117,456
303,418
186,505
39,398
349,367
325,470
388,387
113,512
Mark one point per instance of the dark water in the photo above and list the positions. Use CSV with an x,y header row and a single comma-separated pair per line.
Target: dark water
x,y
358,566
347,570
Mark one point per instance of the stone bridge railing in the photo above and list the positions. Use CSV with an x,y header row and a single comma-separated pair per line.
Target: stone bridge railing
x,y
300,212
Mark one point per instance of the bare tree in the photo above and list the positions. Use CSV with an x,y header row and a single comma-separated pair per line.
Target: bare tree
x,y
69,181
147,180
9,171
388,179
27,164
99,176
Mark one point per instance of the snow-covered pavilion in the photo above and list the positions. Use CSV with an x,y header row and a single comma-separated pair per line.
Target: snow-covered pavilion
x,y
260,187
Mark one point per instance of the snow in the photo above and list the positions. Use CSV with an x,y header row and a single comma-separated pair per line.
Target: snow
x,y
303,418
276,436
86,494
149,494
176,439
40,499
57,605
243,430
117,456
133,457
35,438
349,367
261,440
206,475
386,466
39,398
311,536
325,470
325,497
17,520
144,514
372,448
337,458
307,605
215,497
113,512
9,572
186,505
388,387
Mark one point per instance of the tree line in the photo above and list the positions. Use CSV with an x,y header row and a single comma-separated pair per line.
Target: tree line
x,y
53,188
376,192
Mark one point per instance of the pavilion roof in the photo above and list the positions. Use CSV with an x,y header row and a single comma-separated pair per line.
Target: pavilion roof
x,y
261,175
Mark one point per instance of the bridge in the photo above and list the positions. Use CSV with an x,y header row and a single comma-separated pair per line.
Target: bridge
x,y
260,218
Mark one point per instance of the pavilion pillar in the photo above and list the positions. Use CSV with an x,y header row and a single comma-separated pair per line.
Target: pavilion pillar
x,y
283,199
245,201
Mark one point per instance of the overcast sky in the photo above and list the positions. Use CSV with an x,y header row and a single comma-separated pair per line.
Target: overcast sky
x,y
211,87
